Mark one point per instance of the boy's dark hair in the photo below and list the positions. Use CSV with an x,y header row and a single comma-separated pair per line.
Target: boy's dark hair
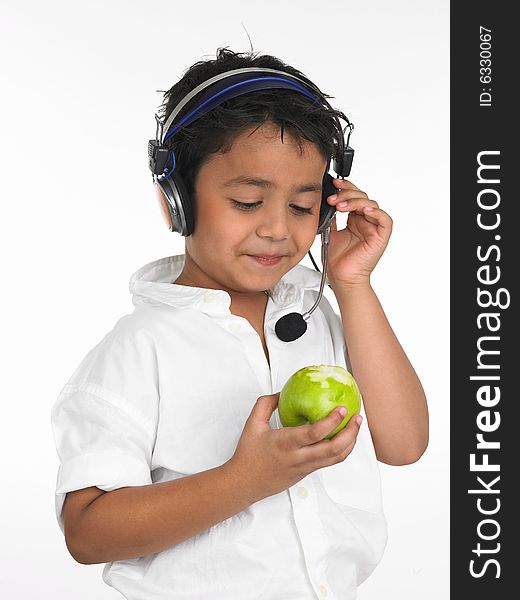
x,y
216,130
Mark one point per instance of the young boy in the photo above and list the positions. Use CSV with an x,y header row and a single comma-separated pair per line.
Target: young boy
x,y
175,471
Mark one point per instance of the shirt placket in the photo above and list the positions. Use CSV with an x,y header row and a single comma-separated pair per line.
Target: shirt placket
x,y
306,512
253,349
303,495
304,500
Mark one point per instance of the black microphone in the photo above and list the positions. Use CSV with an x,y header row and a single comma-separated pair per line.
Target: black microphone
x,y
292,326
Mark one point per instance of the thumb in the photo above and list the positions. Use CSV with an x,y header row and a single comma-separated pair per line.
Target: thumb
x,y
264,408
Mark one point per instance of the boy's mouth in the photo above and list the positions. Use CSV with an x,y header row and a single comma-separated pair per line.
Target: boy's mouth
x,y
266,259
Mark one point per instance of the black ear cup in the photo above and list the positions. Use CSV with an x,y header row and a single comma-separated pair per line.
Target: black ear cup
x,y
175,204
326,210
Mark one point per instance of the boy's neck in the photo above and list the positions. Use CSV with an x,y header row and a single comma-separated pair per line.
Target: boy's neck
x,y
192,276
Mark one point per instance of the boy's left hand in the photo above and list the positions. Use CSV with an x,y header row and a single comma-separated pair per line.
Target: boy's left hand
x,y
355,250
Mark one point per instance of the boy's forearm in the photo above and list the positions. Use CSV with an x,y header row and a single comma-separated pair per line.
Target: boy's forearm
x,y
393,396
136,521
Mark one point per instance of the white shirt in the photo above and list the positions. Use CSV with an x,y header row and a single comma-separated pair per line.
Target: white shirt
x,y
166,394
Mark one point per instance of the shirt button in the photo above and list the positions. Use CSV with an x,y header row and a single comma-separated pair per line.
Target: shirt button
x,y
323,590
302,492
235,327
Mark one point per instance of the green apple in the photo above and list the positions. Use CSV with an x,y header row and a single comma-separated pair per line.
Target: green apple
x,y
314,392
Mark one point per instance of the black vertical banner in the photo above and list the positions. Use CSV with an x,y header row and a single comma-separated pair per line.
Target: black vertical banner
x,y
485,258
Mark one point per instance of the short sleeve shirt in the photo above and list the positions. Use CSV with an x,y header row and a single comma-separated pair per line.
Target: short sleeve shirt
x,y
166,394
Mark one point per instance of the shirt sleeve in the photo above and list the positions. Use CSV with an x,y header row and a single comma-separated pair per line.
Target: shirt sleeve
x,y
104,420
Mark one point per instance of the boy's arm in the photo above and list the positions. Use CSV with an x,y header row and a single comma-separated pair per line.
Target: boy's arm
x,y
394,399
393,396
135,521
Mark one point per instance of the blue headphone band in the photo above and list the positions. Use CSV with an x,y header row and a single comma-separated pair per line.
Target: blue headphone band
x,y
231,92
217,80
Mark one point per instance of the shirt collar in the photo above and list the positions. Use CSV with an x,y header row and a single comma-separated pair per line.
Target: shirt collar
x,y
153,284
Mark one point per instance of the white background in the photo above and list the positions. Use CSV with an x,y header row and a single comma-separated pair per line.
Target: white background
x,y
78,95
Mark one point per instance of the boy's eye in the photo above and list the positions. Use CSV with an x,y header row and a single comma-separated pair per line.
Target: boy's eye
x,y
251,205
245,205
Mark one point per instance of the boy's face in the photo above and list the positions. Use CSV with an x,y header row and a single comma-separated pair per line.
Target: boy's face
x,y
281,221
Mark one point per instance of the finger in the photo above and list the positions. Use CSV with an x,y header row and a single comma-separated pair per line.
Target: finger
x,y
345,437
264,408
315,432
344,184
328,452
345,190
345,195
355,205
378,217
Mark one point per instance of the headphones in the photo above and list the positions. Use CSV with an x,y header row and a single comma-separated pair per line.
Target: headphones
x,y
175,203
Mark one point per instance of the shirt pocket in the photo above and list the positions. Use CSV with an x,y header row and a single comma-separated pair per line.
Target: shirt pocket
x,y
355,482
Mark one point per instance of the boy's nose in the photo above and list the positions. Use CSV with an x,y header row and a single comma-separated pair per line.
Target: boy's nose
x,y
274,224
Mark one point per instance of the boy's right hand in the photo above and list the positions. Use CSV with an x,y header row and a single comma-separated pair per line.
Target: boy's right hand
x,y
269,461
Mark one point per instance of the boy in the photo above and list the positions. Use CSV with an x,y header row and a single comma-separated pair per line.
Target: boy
x,y
174,469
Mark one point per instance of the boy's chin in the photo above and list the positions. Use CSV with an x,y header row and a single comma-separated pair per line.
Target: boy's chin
x,y
260,278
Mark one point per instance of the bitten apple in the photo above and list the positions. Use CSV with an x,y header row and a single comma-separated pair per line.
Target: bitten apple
x,y
314,392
